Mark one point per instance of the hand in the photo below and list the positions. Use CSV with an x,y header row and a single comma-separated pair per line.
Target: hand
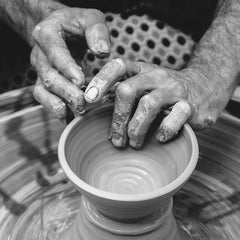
x,y
59,77
152,89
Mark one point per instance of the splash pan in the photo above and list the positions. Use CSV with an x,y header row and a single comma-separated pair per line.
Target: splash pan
x,y
37,202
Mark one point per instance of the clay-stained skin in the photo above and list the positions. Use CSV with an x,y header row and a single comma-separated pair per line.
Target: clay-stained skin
x,y
209,79
23,15
53,81
111,73
57,107
196,94
116,70
180,113
148,88
46,25
216,59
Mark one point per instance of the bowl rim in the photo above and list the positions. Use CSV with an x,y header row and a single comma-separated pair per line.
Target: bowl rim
x,y
83,186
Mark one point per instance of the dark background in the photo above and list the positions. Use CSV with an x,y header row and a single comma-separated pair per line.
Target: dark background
x,y
190,16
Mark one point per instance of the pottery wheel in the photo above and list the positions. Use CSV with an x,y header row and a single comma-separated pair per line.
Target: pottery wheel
x,y
37,202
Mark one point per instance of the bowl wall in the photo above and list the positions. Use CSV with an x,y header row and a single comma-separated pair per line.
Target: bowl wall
x,y
124,180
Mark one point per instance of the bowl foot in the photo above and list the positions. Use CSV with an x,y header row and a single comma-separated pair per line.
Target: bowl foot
x,y
91,225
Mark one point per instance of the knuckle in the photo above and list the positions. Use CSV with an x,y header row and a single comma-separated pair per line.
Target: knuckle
x,y
55,56
58,109
119,124
45,31
148,103
124,90
54,105
42,31
178,90
36,30
203,117
184,108
202,122
209,121
49,81
119,118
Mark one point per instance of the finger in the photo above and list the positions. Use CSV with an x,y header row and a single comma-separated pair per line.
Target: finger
x,y
107,77
49,36
51,102
96,32
148,108
57,84
127,93
171,124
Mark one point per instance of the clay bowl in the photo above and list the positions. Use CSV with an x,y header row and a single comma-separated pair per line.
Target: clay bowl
x,y
124,184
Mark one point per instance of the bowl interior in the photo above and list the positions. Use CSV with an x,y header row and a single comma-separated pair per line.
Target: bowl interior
x,y
95,161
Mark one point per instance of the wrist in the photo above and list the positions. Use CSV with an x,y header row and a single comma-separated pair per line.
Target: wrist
x,y
43,8
39,10
23,15
206,95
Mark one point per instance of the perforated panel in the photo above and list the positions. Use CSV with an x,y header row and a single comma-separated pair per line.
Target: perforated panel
x,y
144,39
135,38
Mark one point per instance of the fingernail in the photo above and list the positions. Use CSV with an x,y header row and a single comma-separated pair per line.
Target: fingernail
x,y
117,142
134,144
117,139
102,46
160,137
91,94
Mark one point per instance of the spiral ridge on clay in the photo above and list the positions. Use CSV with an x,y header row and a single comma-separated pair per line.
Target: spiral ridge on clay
x,y
97,162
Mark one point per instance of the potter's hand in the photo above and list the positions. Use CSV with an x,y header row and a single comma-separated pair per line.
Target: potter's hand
x,y
152,89
59,77
197,94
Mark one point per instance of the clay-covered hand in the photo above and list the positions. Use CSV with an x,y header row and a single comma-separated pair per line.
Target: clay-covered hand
x,y
60,78
148,91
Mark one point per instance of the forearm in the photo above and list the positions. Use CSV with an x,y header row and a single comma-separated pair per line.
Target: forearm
x,y
217,60
24,15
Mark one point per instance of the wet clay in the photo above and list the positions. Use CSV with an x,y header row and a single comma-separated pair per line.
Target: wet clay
x,y
36,205
98,163
91,225
128,190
